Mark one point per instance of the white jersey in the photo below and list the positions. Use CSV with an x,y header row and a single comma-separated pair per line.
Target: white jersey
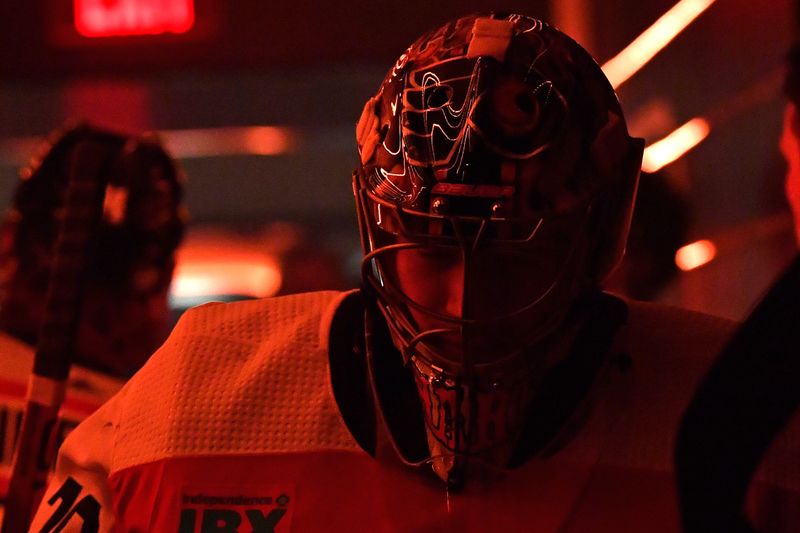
x,y
233,425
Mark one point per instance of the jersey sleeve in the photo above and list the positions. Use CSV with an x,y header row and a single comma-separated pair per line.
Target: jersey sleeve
x,y
78,497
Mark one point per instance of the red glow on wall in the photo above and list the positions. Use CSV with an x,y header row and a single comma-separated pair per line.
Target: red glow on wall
x,y
109,18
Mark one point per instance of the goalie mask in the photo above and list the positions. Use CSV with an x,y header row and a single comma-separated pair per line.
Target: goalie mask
x,y
496,186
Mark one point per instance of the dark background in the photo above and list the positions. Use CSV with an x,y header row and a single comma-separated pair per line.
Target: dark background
x,y
310,65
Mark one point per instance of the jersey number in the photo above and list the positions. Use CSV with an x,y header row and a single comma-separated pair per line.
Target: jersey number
x,y
88,509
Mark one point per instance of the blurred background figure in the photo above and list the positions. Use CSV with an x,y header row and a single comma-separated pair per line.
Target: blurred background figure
x,y
124,306
746,407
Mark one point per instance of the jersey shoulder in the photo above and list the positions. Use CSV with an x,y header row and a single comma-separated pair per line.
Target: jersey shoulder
x,y
657,331
669,351
241,378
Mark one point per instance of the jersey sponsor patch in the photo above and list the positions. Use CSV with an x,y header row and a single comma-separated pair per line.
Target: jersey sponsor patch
x,y
236,509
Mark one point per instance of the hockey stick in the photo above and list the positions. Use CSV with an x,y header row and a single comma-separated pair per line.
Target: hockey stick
x,y
748,396
52,361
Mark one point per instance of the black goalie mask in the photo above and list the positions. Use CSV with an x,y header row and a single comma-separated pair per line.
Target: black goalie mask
x,y
496,186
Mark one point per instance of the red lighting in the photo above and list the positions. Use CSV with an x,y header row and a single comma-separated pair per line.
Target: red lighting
x,y
695,255
109,18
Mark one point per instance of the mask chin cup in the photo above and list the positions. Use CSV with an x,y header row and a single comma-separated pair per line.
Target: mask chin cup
x,y
395,394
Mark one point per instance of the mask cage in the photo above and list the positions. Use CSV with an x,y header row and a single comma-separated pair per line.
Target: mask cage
x,y
390,229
